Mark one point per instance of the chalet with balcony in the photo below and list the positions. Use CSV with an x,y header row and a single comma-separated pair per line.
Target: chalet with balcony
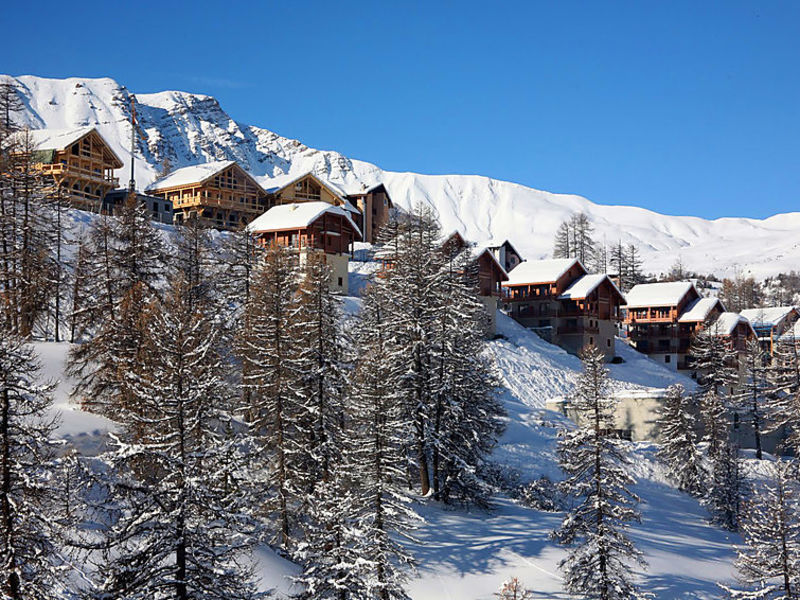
x,y
653,321
310,188
78,161
771,323
506,254
374,205
219,194
307,227
490,273
564,304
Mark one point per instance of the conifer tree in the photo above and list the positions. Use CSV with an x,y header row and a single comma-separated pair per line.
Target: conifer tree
x,y
513,589
753,391
30,556
183,528
268,345
769,562
633,267
783,396
679,441
582,234
725,486
562,245
193,259
598,564
618,261
380,423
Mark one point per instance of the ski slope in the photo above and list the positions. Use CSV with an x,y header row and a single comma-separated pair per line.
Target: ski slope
x,y
190,128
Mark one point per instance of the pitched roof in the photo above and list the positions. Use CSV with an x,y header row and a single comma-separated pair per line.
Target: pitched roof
x,y
275,184
767,317
192,174
297,215
793,333
541,271
727,322
479,251
699,310
668,293
584,286
60,139
494,244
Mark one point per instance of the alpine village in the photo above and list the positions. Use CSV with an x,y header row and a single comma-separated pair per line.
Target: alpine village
x,y
292,366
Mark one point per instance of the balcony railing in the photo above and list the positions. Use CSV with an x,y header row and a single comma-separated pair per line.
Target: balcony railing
x,y
62,169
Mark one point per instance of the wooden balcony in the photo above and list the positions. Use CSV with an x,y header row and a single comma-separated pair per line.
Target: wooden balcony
x,y
60,170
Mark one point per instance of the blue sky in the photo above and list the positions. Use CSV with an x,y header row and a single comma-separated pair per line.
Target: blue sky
x,y
680,107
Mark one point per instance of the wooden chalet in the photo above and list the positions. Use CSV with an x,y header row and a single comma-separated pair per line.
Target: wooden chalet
x,y
311,227
653,320
771,323
506,254
735,329
374,204
310,188
564,304
219,194
79,162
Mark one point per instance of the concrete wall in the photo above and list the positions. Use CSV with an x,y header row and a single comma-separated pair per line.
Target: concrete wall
x,y
490,302
338,264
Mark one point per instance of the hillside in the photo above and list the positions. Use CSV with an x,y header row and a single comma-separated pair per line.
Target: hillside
x,y
191,128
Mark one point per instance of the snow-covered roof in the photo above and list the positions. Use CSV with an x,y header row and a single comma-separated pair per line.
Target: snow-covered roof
x,y
58,139
191,174
668,293
540,271
274,184
767,317
727,322
699,310
493,244
584,286
297,216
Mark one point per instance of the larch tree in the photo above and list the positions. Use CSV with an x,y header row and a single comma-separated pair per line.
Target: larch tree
x,y
679,446
379,430
618,261
601,554
31,563
751,399
513,589
769,561
725,486
276,412
563,246
179,529
783,398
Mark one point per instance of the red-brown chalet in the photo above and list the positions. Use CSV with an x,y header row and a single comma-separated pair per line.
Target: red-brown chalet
x,y
564,304
311,227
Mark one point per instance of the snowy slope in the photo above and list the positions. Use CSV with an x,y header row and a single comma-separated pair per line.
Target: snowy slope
x,y
192,128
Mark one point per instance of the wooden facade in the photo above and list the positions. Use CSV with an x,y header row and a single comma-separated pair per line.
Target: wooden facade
x,y
79,162
331,233
565,305
506,255
656,329
374,204
220,195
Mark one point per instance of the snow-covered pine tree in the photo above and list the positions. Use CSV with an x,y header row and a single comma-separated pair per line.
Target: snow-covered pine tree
x,y
600,559
180,529
410,322
321,366
30,559
194,259
769,562
129,258
679,441
724,488
751,396
237,256
466,413
783,398
562,243
277,416
380,426
713,361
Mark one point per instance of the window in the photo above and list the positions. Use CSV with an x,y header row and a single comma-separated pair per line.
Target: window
x,y
667,358
340,282
608,343
591,341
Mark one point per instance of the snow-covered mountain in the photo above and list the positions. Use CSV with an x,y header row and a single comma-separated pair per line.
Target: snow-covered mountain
x,y
192,128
